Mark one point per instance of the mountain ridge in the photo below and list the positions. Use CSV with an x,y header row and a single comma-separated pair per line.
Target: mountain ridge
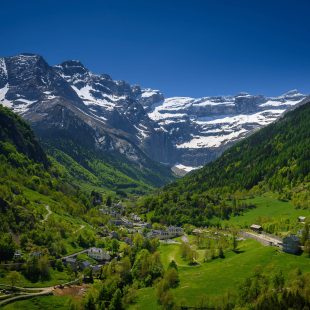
x,y
178,131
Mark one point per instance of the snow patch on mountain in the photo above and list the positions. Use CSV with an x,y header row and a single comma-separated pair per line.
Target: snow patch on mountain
x,y
3,100
148,92
212,141
214,122
3,69
186,168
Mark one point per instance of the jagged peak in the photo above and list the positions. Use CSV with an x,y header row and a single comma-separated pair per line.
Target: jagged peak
x,y
72,68
28,59
28,56
292,92
77,66
71,64
243,94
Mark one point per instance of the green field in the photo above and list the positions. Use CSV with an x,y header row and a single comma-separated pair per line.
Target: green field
x,y
220,276
40,303
267,208
215,278
146,300
56,277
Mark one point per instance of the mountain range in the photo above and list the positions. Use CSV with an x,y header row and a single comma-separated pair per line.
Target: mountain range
x,y
67,102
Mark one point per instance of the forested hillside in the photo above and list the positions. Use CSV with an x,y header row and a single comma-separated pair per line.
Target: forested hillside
x,y
276,158
29,179
15,131
112,172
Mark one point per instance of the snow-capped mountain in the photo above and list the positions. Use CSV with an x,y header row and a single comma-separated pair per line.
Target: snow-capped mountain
x,y
68,99
201,128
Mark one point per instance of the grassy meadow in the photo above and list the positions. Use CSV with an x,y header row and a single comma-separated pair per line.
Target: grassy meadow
x,y
267,208
220,276
39,303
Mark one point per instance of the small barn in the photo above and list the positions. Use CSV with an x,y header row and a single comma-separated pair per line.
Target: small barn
x,y
256,228
291,244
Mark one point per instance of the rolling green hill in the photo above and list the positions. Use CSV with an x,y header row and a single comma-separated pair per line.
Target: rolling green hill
x,y
275,159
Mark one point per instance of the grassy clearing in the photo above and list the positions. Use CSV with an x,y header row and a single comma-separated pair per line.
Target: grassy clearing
x,y
267,207
39,303
146,300
225,275
56,277
219,276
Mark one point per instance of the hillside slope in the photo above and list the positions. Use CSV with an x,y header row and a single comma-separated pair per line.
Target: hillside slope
x,y
276,158
18,133
28,178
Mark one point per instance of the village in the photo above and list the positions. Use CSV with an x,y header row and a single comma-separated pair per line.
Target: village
x,y
120,229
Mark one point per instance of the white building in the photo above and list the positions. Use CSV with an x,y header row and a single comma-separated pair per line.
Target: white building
x,y
98,254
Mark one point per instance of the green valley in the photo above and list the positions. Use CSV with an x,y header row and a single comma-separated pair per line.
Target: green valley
x,y
77,229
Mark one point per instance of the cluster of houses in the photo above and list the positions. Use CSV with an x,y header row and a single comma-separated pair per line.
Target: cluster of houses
x,y
170,232
98,254
135,222
116,210
289,244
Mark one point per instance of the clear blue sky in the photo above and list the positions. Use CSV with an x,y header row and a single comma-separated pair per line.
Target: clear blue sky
x,y
184,48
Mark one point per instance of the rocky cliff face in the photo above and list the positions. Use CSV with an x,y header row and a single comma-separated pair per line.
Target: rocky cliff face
x,y
119,106
201,129
67,100
93,110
